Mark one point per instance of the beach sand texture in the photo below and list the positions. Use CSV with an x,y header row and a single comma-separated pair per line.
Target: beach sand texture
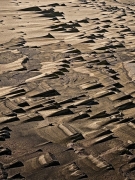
x,y
67,92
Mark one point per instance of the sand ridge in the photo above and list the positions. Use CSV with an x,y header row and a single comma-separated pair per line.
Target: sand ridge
x,y
67,90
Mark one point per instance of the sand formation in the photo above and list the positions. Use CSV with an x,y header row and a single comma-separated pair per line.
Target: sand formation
x,y
67,93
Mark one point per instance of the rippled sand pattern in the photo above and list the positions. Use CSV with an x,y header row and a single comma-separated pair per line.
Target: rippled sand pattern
x,y
67,92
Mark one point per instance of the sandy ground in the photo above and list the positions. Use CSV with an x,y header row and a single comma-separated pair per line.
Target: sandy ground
x,y
67,93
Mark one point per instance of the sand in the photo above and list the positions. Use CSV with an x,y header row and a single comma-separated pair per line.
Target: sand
x,y
67,92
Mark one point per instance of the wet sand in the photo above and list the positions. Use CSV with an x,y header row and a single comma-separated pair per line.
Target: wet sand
x,y
67,92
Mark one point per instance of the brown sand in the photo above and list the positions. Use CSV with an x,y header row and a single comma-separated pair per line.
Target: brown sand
x,y
67,93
